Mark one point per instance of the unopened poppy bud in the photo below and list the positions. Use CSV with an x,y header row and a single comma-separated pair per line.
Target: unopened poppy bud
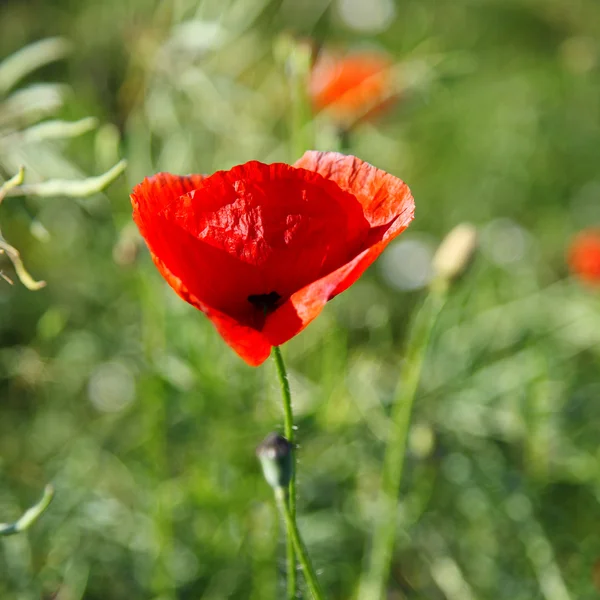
x,y
455,252
275,455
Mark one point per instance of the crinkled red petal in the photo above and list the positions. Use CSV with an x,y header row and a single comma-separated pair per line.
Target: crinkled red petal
x,y
389,207
149,199
386,200
249,344
258,229
155,193
306,304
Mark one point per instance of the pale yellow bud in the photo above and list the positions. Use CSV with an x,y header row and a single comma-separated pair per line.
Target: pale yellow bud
x,y
455,252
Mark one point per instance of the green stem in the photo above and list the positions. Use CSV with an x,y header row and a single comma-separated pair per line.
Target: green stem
x,y
30,516
301,133
344,140
376,576
308,570
288,417
288,429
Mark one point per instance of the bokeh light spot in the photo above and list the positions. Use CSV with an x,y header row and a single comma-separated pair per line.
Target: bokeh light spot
x,y
406,265
372,16
111,387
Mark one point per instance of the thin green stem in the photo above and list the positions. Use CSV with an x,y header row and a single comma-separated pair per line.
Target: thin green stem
x,y
78,188
344,140
378,568
30,516
301,127
288,429
288,417
308,570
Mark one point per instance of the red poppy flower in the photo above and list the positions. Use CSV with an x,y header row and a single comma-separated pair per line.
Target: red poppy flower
x,y
584,256
261,248
351,88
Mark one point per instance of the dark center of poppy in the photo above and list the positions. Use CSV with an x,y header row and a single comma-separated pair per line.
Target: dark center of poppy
x,y
265,302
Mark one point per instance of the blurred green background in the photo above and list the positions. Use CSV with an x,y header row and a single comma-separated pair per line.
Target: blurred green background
x,y
128,401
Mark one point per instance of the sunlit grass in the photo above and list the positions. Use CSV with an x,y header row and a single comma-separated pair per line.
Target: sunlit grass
x,y
128,401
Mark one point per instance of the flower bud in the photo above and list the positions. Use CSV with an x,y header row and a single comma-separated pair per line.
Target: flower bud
x,y
455,252
275,455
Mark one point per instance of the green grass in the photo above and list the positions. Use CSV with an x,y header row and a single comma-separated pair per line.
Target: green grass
x,y
126,399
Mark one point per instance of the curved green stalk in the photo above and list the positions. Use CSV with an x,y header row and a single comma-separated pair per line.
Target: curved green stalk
x,y
375,578
30,516
308,570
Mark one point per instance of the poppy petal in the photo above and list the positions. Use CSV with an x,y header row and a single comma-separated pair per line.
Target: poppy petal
x,y
306,304
584,256
237,239
352,88
249,344
385,199
155,193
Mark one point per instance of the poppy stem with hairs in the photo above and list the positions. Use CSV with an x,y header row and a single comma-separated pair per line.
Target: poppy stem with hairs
x,y
308,570
288,429
375,578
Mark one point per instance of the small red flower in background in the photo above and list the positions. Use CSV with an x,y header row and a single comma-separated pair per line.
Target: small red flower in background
x,y
261,248
353,87
584,256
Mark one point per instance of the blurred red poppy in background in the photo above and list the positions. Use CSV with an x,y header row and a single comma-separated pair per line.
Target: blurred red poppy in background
x,y
352,87
584,256
261,248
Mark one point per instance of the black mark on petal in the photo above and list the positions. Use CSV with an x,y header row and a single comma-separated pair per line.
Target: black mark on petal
x,y
265,302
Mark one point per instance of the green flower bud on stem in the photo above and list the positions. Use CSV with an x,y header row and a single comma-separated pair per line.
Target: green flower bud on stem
x,y
275,455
